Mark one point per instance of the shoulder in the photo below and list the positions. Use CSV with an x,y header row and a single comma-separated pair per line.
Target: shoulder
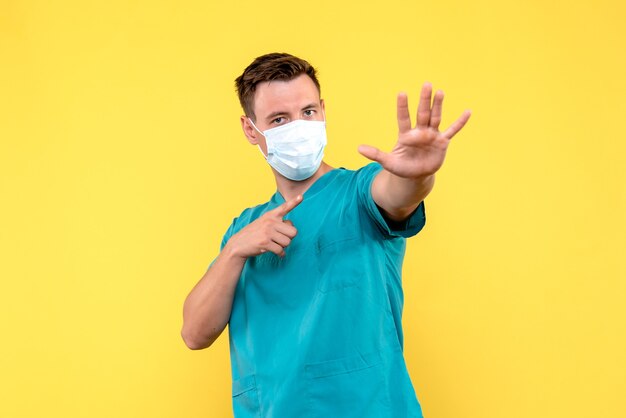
x,y
360,175
372,167
246,217
369,169
250,214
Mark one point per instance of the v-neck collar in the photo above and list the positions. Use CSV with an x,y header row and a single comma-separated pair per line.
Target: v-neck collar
x,y
314,189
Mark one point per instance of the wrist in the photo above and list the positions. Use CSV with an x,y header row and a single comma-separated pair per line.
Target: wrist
x,y
232,252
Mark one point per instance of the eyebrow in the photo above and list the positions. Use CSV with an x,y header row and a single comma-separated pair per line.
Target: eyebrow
x,y
282,112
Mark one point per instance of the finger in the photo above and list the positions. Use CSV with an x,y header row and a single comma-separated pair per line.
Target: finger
x,y
457,125
288,206
423,109
287,228
404,119
373,154
435,115
274,248
281,239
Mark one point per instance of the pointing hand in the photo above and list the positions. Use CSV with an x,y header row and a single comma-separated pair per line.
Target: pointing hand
x,y
267,233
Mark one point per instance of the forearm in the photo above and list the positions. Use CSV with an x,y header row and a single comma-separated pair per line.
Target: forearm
x,y
206,310
399,196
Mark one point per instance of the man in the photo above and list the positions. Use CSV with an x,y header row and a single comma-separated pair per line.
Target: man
x,y
309,282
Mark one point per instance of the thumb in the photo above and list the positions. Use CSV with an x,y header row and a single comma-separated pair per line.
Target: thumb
x,y
373,153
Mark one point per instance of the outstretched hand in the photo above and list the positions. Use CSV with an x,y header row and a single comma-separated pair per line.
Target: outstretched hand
x,y
421,150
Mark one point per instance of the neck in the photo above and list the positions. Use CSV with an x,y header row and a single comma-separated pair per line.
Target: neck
x,y
289,189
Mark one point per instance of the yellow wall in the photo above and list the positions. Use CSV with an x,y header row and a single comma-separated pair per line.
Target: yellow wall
x,y
122,163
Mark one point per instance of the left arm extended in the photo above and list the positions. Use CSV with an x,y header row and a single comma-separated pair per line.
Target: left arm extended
x,y
408,173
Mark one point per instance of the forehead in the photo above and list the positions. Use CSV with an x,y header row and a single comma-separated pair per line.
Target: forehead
x,y
279,95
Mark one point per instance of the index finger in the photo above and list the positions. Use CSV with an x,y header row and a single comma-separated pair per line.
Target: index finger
x,y
288,206
457,125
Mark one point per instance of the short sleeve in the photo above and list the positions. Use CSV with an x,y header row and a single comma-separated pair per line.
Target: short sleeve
x,y
408,228
227,235
225,238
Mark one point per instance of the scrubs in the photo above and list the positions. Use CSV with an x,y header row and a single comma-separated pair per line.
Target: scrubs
x,y
318,333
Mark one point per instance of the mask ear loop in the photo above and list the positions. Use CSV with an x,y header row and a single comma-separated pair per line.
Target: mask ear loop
x,y
258,146
254,126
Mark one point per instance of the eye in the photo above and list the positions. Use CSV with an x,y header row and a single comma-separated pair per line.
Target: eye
x,y
309,112
278,121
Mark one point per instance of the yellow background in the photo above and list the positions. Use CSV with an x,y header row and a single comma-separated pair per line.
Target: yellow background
x,y
122,163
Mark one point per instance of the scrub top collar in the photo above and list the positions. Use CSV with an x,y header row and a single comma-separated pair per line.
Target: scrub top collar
x,y
315,188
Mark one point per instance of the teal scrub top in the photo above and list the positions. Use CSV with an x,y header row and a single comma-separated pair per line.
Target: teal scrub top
x,y
318,333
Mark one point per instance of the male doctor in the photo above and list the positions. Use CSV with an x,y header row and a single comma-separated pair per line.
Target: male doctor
x,y
310,281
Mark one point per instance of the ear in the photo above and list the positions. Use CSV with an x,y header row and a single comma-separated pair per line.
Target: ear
x,y
248,130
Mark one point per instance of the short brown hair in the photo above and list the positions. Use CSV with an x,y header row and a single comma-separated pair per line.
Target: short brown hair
x,y
274,66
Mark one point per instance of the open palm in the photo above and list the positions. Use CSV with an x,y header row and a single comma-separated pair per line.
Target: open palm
x,y
421,150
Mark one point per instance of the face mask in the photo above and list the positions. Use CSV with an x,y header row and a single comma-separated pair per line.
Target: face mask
x,y
296,149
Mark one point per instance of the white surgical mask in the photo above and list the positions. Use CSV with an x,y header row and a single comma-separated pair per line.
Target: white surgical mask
x,y
295,149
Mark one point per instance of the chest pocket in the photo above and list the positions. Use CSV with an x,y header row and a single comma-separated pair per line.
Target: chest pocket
x,y
341,259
